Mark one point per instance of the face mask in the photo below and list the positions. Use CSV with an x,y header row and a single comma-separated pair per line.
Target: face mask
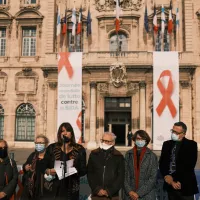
x,y
66,139
49,177
105,146
3,153
40,147
174,137
140,143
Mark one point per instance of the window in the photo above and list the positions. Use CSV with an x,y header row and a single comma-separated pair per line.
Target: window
x,y
2,2
75,43
25,123
166,41
29,1
1,121
29,41
118,43
120,102
2,41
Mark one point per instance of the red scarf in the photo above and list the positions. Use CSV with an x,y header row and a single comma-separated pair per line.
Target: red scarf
x,y
136,168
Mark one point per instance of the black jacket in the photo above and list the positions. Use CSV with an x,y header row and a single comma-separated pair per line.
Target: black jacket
x,y
185,163
106,171
10,168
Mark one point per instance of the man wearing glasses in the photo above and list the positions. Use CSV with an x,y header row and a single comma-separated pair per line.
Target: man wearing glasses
x,y
177,163
106,170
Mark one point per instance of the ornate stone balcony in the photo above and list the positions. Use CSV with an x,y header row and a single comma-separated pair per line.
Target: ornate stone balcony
x,y
129,58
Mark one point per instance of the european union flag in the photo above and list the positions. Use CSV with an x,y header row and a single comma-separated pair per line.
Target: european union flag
x,y
89,23
146,23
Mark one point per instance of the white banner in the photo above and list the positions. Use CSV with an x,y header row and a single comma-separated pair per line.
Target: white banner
x,y
70,90
165,96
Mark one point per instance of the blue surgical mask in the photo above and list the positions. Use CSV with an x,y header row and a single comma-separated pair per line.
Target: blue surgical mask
x,y
40,147
140,143
49,177
174,137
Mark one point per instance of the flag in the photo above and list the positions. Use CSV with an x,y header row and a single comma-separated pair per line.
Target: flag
x,y
170,21
79,27
163,20
74,21
177,18
117,21
58,23
155,23
89,23
146,23
64,24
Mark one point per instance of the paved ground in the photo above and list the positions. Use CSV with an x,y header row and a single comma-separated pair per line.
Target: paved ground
x,y
22,154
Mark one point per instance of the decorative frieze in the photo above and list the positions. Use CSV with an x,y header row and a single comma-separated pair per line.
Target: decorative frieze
x,y
103,87
107,5
53,85
3,82
185,84
132,87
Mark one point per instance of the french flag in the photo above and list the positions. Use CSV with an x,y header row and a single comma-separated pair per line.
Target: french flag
x,y
117,22
155,23
170,21
79,27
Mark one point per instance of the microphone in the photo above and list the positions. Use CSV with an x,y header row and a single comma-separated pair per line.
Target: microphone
x,y
66,139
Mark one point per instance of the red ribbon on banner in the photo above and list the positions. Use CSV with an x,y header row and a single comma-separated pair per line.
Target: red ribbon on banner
x,y
79,124
64,62
166,93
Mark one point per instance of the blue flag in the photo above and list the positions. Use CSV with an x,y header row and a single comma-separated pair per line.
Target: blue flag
x,y
146,23
89,23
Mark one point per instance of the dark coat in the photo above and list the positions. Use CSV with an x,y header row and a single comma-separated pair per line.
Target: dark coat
x,y
105,172
147,179
68,188
185,164
39,190
9,166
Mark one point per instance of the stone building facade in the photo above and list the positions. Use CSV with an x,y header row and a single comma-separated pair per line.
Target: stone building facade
x,y
117,79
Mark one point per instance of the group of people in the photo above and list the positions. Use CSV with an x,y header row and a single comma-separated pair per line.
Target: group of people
x,y
108,171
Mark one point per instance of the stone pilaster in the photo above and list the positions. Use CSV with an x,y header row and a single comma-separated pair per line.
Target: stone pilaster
x,y
93,92
142,86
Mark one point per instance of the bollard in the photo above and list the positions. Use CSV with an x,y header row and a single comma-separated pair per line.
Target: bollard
x,y
12,155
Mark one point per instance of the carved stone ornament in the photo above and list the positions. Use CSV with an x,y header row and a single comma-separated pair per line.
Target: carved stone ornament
x,y
103,87
132,87
3,82
118,74
104,5
53,85
26,4
5,6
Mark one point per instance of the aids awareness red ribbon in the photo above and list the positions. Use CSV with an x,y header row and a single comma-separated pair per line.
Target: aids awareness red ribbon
x,y
166,94
79,124
64,62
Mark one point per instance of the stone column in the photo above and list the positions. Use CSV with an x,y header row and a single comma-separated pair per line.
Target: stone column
x,y
92,143
142,86
186,112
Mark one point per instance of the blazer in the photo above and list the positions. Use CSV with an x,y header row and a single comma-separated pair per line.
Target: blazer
x,y
185,163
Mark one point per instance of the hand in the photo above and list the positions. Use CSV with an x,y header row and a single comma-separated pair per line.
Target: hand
x,y
168,179
105,193
133,195
2,195
27,167
101,193
176,185
51,172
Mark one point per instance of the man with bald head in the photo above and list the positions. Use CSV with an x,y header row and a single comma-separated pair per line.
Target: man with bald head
x,y
106,169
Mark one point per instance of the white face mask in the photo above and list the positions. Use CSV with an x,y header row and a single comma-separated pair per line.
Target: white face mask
x,y
105,146
174,137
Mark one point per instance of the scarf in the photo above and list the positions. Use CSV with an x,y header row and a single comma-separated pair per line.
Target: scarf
x,y
137,165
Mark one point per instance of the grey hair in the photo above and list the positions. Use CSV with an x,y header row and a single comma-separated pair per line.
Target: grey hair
x,y
46,140
112,134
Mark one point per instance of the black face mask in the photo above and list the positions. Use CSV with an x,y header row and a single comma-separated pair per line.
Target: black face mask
x,y
3,153
66,139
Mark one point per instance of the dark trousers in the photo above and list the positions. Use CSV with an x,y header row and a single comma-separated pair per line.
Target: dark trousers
x,y
176,195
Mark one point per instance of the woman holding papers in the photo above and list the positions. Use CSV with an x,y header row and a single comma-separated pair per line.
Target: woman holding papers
x,y
66,184
35,184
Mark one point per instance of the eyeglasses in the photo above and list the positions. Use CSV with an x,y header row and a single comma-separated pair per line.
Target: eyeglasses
x,y
105,141
39,142
175,132
1,148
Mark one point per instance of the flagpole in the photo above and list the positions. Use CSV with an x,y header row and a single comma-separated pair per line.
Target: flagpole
x,y
81,29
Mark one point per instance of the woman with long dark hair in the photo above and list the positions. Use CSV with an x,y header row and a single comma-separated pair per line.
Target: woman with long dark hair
x,y
67,149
